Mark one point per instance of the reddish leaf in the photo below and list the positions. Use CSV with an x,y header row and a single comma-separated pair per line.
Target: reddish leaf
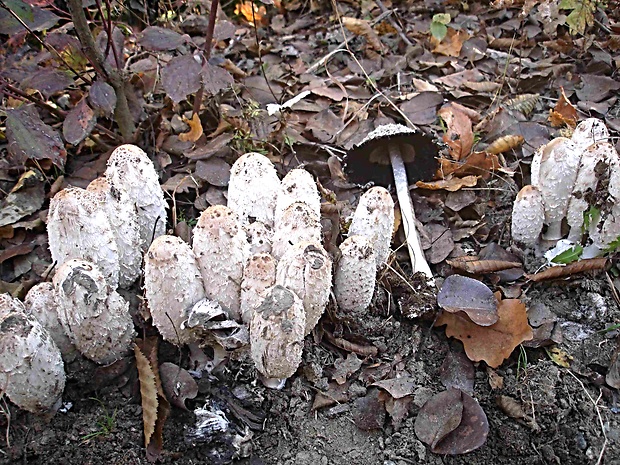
x,y
564,112
158,39
459,136
30,138
79,123
463,294
181,77
102,98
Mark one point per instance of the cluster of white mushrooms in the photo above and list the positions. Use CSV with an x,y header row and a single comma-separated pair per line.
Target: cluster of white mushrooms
x,y
572,178
256,273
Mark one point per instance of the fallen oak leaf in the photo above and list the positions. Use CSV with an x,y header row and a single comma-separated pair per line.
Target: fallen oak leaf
x,y
494,343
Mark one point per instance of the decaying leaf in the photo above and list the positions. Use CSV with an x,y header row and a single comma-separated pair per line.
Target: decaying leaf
x,y
368,412
79,123
451,44
494,343
581,266
346,367
452,422
459,135
181,77
195,129
564,113
450,184
361,27
457,372
524,103
478,163
398,387
558,356
510,407
613,373
26,197
473,265
505,144
102,98
158,39
148,392
178,384
463,294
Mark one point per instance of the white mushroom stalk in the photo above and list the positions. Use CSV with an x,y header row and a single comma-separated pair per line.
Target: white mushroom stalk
x,y
253,189
94,316
31,367
354,279
130,171
172,285
78,227
220,247
306,269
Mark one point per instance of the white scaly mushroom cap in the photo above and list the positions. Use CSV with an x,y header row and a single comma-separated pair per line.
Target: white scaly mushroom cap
x,y
31,367
588,132
172,285
557,175
131,171
591,168
354,279
260,237
528,216
277,333
259,274
298,222
298,186
123,218
374,218
220,247
95,317
253,188
608,229
306,269
42,304
78,227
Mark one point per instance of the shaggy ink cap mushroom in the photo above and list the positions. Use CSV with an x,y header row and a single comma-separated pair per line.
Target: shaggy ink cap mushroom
x,y
528,215
412,156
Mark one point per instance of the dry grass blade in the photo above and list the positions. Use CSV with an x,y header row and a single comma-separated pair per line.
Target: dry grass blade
x,y
473,265
557,272
148,391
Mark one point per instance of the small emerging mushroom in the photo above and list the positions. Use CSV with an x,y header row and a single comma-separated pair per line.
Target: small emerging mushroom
x,y
172,285
277,333
374,219
31,367
306,269
220,247
259,274
94,316
78,227
588,132
41,302
298,186
123,218
130,171
399,146
298,222
253,188
528,216
354,279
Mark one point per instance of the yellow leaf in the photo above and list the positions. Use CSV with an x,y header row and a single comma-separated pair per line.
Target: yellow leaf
x,y
245,8
195,129
559,357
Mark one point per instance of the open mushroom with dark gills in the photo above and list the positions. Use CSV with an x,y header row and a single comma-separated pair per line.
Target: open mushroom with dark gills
x,y
412,156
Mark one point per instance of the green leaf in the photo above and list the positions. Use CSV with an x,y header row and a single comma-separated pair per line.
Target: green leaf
x,y
442,18
438,31
613,246
21,9
569,4
582,15
568,256
590,217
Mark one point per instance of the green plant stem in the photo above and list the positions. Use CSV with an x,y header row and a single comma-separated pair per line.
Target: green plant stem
x,y
114,77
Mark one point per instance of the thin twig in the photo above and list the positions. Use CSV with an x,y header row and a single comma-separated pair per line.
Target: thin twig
x,y
393,22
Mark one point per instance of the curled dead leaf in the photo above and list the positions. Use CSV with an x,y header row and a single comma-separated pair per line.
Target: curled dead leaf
x,y
564,113
178,384
195,129
361,27
450,184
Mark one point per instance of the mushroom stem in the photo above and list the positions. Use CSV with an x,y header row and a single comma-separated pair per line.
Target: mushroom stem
x,y
416,254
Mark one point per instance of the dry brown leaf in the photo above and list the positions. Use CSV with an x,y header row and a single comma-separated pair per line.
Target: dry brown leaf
x,y
473,265
564,112
495,380
558,272
485,86
459,135
451,184
505,144
451,44
148,392
494,343
478,163
361,27
245,9
524,103
195,129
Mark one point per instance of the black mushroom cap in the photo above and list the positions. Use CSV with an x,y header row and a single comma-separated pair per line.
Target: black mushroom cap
x,y
370,161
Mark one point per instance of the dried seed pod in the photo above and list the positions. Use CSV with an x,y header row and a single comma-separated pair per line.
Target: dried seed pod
x,y
298,186
123,218
130,171
253,188
298,222
354,279
78,227
220,247
95,317
259,274
277,333
260,237
528,216
42,304
172,285
588,132
31,368
374,218
306,269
